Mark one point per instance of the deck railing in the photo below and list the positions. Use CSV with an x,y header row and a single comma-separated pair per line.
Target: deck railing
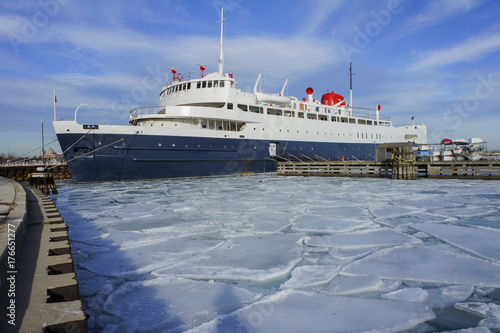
x,y
146,110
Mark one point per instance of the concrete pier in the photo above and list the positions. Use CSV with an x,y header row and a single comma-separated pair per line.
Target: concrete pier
x,y
38,287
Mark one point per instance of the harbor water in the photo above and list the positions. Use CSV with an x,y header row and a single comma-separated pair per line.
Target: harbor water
x,y
265,253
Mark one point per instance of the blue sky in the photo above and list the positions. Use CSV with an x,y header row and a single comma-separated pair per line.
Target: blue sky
x,y
438,61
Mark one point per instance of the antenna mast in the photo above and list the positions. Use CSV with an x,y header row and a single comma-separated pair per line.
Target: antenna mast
x,y
350,87
221,57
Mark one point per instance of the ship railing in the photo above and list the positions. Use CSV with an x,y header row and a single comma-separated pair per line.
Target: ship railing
x,y
187,76
146,110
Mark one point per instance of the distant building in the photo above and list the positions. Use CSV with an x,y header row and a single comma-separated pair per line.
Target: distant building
x,y
51,155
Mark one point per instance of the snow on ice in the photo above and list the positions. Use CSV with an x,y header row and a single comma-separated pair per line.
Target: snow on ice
x,y
265,253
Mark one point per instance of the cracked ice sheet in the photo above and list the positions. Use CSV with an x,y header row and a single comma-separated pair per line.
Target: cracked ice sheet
x,y
294,311
328,224
481,242
361,239
311,276
172,304
427,265
255,259
343,285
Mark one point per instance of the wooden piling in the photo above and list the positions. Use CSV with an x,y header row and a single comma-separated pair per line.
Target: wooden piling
x,y
44,182
403,163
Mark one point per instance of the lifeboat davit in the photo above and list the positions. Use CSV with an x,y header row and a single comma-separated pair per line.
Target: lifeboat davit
x,y
332,99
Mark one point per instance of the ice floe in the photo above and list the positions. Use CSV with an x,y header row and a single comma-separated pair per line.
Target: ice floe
x,y
481,242
362,239
343,285
427,265
293,311
408,294
311,276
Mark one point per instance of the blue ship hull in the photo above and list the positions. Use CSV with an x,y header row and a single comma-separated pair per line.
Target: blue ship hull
x,y
111,157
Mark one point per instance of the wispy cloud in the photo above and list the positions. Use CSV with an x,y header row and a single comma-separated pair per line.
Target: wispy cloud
x,y
439,10
436,12
320,12
472,49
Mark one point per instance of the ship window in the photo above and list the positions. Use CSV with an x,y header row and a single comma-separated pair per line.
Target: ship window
x,y
288,113
352,121
301,114
198,85
206,105
369,122
243,107
256,109
204,84
189,85
312,116
209,84
78,151
410,137
361,121
221,84
343,120
334,118
324,118
230,106
232,84
176,88
216,84
274,112
184,86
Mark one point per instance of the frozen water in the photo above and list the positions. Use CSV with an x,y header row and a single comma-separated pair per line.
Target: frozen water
x,y
310,276
343,285
185,308
292,311
286,254
456,293
483,310
244,258
361,239
327,224
408,294
481,242
491,322
472,330
427,265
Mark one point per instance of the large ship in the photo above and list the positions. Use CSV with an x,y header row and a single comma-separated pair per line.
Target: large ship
x,y
206,126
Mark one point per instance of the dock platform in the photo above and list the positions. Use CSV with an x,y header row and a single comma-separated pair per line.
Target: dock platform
x,y
443,170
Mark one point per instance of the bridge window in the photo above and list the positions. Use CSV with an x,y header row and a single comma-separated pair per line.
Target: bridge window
x,y
256,109
274,112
